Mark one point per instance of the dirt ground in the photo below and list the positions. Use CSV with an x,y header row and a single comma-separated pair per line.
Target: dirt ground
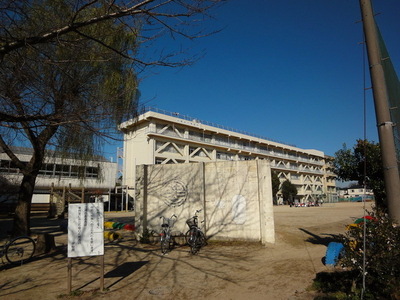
x,y
283,270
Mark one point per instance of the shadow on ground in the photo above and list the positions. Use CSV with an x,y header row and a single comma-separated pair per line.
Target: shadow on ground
x,y
322,239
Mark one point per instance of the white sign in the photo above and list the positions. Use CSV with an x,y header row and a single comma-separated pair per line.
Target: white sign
x,y
85,229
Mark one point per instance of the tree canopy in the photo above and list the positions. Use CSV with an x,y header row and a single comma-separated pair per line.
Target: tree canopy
x,y
289,191
275,185
362,163
68,73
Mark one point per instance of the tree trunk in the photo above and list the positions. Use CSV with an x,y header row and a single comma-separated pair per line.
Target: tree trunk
x,y
21,225
45,243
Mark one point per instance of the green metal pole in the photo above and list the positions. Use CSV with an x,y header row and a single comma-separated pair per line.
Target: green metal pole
x,y
384,122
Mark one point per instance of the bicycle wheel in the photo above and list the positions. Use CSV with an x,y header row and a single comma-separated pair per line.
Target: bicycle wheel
x,y
164,242
194,248
201,240
193,240
171,244
190,236
20,249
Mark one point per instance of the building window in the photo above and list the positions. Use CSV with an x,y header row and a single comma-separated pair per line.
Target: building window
x,y
196,136
224,156
51,170
295,177
207,138
47,170
62,170
242,157
92,172
7,166
219,140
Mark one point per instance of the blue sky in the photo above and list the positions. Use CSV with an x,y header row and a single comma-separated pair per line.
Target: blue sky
x,y
289,70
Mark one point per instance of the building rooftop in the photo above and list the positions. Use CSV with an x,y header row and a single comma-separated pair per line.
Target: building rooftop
x,y
29,151
187,120
196,120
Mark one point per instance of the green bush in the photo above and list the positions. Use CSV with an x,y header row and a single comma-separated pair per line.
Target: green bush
x,y
382,256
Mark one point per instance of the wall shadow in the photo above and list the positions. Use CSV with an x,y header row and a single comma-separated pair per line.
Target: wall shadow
x,y
124,270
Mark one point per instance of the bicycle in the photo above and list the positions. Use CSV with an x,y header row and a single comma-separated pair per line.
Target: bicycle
x,y
195,238
18,250
165,236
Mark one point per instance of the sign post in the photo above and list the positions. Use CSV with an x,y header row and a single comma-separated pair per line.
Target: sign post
x,y
85,235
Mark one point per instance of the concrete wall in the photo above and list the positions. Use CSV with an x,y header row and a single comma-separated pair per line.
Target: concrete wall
x,y
235,198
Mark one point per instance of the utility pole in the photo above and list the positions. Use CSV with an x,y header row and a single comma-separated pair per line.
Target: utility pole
x,y
384,122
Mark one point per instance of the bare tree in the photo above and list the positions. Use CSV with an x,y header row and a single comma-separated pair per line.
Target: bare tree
x,y
68,73
153,17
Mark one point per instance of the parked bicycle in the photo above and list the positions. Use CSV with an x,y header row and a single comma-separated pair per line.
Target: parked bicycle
x,y
166,241
18,250
195,238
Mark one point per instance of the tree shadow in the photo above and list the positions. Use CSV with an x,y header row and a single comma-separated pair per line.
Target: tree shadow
x,y
122,271
58,253
333,282
322,239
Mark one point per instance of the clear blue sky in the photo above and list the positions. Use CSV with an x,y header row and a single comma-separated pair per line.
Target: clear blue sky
x,y
289,70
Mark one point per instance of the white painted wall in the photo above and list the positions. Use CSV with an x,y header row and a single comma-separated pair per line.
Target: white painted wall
x,y
235,198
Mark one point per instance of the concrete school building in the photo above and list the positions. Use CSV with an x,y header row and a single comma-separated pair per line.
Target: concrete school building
x,y
63,176
161,137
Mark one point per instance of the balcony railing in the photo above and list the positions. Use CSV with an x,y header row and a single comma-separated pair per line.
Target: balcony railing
x,y
191,119
234,145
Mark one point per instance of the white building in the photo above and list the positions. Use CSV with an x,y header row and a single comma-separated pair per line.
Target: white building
x,y
96,176
356,194
160,137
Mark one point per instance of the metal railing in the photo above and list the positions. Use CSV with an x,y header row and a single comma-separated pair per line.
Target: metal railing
x,y
191,119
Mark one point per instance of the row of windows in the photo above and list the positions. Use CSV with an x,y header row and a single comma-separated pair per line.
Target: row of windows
x,y
202,152
53,170
173,131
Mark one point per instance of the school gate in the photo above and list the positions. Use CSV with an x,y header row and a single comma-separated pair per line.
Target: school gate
x,y
235,198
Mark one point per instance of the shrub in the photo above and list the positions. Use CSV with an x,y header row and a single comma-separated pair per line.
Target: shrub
x,y
382,255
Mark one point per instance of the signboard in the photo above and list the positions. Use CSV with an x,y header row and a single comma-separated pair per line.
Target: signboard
x,y
85,229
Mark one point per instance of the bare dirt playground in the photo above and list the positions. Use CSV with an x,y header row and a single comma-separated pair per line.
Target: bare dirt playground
x,y
237,270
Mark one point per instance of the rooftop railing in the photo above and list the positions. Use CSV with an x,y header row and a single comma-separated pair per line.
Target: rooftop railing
x,y
191,119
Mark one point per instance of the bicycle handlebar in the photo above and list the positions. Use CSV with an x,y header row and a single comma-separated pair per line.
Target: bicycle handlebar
x,y
170,217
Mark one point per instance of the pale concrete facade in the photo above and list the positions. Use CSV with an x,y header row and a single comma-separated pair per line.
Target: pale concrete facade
x,y
97,175
355,192
235,198
159,137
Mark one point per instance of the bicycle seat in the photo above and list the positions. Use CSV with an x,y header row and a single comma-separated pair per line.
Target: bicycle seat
x,y
164,225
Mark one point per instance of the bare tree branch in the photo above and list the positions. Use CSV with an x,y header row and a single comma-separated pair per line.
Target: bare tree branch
x,y
113,12
68,73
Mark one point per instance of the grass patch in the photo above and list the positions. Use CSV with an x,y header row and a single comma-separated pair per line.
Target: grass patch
x,y
81,294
